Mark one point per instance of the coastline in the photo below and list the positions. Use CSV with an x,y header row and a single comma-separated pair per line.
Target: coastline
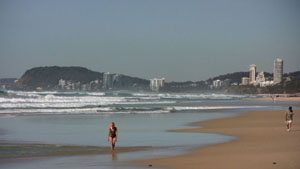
x,y
285,99
263,142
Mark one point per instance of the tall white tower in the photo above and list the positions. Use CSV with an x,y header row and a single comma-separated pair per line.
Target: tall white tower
x,y
252,73
107,80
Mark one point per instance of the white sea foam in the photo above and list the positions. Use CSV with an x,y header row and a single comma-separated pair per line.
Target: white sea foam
x,y
61,102
211,107
54,102
149,102
187,96
77,111
120,110
96,94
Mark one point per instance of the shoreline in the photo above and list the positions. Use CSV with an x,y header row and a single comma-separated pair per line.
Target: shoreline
x,y
262,142
15,151
283,99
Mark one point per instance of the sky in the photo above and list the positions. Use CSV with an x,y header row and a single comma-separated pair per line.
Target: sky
x,y
177,39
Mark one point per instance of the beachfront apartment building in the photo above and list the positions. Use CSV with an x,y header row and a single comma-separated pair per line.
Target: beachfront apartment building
x,y
278,70
252,74
245,81
156,84
261,80
107,80
61,83
266,83
217,83
260,77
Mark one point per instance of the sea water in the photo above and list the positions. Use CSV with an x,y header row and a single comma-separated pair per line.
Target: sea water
x,y
143,119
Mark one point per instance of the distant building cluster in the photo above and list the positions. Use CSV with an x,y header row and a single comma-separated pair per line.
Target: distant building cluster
x,y
70,85
255,78
109,80
156,84
258,79
117,81
7,83
217,84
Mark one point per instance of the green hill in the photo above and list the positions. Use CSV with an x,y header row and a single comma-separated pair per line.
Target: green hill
x,y
48,77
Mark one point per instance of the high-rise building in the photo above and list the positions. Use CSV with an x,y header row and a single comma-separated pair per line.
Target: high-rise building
x,y
260,77
278,70
107,80
217,83
61,83
156,84
245,80
252,73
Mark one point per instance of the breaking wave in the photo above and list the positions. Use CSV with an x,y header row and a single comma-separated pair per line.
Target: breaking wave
x,y
54,102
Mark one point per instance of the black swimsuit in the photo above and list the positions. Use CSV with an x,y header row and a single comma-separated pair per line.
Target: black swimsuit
x,y
112,133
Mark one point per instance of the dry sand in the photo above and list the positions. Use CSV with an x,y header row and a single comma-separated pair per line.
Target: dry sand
x,y
263,143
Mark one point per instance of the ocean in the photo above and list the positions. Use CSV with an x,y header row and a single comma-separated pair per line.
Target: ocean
x,y
143,119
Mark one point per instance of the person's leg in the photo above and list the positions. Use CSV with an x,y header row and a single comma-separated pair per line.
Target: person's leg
x,y
290,125
111,143
114,142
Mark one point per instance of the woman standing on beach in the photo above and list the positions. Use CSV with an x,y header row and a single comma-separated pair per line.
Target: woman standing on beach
x,y
112,135
289,118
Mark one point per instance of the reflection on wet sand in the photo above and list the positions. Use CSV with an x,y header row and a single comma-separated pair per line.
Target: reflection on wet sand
x,y
19,150
114,156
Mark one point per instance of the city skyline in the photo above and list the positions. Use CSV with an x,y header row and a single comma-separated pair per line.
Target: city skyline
x,y
278,72
192,40
258,78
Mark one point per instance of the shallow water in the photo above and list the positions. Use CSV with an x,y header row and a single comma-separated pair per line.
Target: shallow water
x,y
133,129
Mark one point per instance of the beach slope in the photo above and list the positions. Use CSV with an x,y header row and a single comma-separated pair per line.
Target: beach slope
x,y
263,143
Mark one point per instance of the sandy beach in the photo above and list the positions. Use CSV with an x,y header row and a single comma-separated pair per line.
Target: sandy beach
x,y
263,143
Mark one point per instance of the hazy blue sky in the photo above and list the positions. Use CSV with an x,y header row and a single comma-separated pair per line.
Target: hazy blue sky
x,y
180,40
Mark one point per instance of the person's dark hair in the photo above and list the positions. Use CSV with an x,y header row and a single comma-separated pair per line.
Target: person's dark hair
x,y
291,109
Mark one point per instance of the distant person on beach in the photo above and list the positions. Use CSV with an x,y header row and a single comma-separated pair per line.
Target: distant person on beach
x,y
289,118
273,98
112,135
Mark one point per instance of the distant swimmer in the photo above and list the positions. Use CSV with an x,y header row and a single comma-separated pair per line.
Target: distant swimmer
x,y
289,118
112,135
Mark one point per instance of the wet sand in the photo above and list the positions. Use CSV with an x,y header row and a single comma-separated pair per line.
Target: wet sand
x,y
18,150
263,143
287,99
